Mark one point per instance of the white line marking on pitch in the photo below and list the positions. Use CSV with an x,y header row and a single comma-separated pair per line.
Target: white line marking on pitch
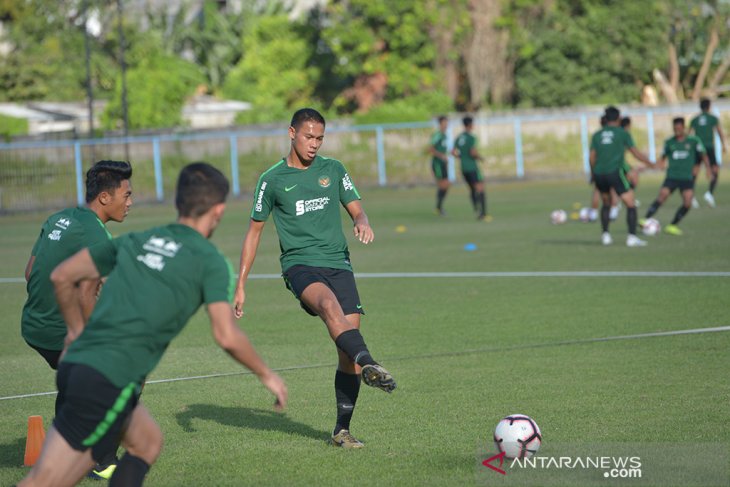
x,y
691,331
407,275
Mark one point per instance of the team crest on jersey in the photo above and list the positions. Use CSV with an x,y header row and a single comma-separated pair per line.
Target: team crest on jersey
x,y
324,182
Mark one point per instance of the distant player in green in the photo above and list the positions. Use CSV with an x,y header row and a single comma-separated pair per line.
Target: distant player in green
x,y
704,126
465,148
108,197
681,151
157,280
439,162
304,192
608,146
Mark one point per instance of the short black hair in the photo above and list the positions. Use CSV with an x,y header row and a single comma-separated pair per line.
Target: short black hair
x,y
678,120
305,115
705,104
200,186
442,118
106,176
612,114
625,122
467,121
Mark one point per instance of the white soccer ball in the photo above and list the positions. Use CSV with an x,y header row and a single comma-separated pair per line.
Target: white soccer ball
x,y
584,214
651,227
558,217
518,436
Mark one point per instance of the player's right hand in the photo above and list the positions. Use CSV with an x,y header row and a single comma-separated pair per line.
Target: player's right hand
x,y
276,385
238,298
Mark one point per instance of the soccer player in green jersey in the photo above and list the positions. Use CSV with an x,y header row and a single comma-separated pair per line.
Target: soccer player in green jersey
x,y
304,192
465,148
439,160
681,151
704,126
608,146
157,280
108,198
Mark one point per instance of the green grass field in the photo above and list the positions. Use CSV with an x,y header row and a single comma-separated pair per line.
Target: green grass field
x,y
465,351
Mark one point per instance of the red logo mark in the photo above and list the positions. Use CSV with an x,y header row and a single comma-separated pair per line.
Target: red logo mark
x,y
499,456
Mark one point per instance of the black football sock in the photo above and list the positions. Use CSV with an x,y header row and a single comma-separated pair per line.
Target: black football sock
x,y
631,220
347,387
605,210
653,209
473,196
352,343
440,195
713,183
482,202
130,472
683,210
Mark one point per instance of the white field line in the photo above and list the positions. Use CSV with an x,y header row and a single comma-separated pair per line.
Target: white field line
x,y
691,331
419,275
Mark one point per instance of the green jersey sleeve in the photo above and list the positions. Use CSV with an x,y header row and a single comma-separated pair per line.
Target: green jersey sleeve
x,y
699,146
348,191
218,280
628,140
263,198
667,150
104,255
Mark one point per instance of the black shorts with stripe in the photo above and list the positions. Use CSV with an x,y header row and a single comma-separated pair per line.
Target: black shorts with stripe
x,y
440,172
472,177
92,412
340,281
710,155
615,180
680,184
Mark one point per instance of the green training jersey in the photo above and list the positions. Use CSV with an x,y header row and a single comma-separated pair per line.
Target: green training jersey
x,y
704,127
62,235
305,204
438,142
610,144
464,144
157,280
681,156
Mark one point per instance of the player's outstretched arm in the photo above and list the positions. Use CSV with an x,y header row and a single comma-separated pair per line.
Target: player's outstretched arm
x,y
235,342
248,254
641,156
723,143
66,278
362,230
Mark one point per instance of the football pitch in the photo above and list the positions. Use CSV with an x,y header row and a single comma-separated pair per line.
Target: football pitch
x,y
600,345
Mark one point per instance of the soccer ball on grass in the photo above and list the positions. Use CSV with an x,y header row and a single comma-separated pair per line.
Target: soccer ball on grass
x,y
651,227
558,217
518,436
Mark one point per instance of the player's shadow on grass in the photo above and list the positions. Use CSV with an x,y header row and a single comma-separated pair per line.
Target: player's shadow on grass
x,y
241,417
11,454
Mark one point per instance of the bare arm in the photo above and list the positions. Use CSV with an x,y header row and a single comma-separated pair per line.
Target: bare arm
x,y
592,158
475,154
88,293
235,342
66,278
640,156
248,254
362,230
29,267
722,137
441,155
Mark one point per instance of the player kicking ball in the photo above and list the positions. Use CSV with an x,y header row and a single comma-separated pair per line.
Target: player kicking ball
x,y
304,192
681,152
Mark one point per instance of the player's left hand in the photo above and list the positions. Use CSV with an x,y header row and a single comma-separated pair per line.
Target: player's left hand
x,y
363,232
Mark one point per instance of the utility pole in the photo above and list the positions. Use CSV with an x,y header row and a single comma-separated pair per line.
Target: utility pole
x,y
123,64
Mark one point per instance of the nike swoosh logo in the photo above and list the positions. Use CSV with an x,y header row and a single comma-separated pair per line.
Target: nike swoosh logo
x,y
290,188
359,306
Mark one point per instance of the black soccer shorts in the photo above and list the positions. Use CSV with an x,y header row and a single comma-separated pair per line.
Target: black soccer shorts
x,y
340,281
680,184
615,180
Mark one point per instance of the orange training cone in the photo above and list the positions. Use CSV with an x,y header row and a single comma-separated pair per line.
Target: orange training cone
x,y
34,441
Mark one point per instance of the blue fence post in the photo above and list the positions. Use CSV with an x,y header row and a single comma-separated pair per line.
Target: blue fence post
x,y
584,144
234,165
519,159
158,169
717,142
449,146
382,177
650,130
79,174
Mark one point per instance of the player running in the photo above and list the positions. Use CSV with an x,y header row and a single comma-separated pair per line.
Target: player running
x,y
681,151
704,126
465,148
303,191
439,162
157,280
608,146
